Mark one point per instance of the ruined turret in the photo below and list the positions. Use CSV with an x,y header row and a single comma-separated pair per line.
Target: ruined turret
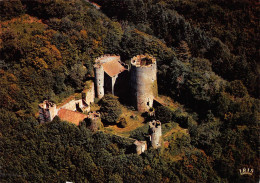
x,y
94,121
99,79
155,132
143,81
47,111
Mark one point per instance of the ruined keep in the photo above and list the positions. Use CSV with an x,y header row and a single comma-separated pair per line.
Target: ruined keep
x,y
107,69
155,132
143,81
47,111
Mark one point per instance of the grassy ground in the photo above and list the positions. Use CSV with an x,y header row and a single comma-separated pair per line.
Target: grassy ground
x,y
176,130
168,102
134,120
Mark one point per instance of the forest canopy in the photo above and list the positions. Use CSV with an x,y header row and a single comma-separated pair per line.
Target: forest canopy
x,y
206,52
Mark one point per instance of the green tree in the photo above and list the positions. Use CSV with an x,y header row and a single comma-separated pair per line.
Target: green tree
x,y
163,114
110,108
237,89
183,52
11,9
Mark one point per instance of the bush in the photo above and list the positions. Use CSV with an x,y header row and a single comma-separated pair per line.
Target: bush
x,y
110,108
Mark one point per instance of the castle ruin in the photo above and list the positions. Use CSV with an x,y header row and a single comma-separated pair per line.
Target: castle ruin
x,y
139,84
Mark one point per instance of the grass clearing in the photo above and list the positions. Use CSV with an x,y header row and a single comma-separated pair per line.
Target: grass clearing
x,y
134,120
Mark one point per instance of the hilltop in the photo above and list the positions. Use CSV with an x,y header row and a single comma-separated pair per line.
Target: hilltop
x,y
207,77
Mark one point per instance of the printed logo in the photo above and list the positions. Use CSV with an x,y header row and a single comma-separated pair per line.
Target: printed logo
x,y
246,171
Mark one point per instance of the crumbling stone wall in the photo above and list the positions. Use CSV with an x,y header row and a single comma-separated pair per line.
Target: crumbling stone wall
x,y
48,110
88,94
143,81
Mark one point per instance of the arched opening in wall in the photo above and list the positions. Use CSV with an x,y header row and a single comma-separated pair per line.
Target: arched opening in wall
x,y
78,108
148,102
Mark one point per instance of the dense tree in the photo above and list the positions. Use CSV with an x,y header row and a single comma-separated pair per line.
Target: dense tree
x,y
237,89
11,9
163,114
183,52
208,29
110,108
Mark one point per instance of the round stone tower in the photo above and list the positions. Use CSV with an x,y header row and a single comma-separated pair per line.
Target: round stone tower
x,y
155,131
143,81
99,79
94,121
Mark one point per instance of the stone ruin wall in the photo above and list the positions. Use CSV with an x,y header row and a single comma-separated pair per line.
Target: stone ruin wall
x,y
95,121
100,75
47,111
89,94
105,58
141,146
143,85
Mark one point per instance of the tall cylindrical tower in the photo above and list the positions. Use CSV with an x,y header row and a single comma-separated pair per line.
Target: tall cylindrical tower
x,y
143,81
99,80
